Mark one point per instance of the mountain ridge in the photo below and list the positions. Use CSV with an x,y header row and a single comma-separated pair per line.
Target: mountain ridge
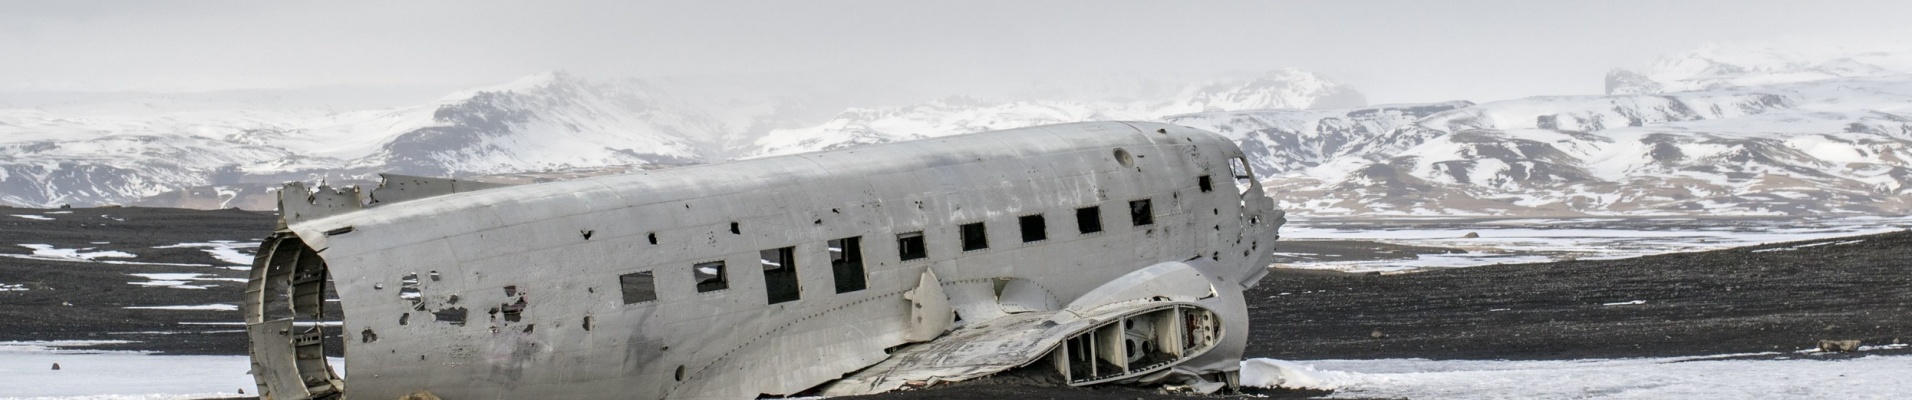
x,y
165,153
1746,130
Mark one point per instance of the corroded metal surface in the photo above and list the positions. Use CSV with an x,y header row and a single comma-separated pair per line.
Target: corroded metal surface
x,y
845,271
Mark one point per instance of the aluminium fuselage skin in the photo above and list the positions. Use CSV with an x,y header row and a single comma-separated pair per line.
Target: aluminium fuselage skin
x,y
527,291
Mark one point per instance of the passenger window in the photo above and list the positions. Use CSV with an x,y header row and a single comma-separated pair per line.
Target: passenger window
x,y
1205,184
974,237
1089,219
780,274
1140,214
710,276
1033,228
638,287
846,263
909,246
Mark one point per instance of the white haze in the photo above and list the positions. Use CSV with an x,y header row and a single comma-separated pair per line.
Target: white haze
x,y
877,52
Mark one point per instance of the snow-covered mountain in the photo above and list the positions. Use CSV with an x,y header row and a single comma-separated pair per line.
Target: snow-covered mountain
x,y
187,151
1742,64
1285,88
1720,130
1828,146
1767,139
88,154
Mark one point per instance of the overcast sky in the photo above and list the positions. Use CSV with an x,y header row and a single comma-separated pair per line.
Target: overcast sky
x,y
1394,51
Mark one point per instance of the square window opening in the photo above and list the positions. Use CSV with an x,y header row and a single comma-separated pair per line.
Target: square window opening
x,y
909,246
975,237
780,274
1140,214
1089,219
710,276
1206,184
846,263
638,287
1034,229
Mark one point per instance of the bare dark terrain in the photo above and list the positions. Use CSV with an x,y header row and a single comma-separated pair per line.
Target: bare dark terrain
x,y
1776,297
69,300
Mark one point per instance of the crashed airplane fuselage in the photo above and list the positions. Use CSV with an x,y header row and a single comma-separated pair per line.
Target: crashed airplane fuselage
x,y
1109,251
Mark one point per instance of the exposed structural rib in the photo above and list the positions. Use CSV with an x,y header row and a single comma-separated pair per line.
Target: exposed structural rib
x,y
285,301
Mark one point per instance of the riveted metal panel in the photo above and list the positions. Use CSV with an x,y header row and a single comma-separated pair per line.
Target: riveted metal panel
x,y
732,343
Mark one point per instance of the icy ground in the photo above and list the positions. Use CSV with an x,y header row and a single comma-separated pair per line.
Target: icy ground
x,y
26,372
47,252
224,250
1531,240
1772,376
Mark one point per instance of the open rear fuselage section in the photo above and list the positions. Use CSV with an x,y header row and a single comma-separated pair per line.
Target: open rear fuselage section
x,y
763,276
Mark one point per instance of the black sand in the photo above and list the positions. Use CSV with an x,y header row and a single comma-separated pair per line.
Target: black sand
x,y
1708,303
85,301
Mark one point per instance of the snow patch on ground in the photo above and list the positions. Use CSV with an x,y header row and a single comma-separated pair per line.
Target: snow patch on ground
x,y
1469,259
1272,373
1534,240
1894,346
33,217
177,332
1791,248
54,346
1674,377
26,373
201,307
12,287
294,323
47,252
190,396
180,280
224,250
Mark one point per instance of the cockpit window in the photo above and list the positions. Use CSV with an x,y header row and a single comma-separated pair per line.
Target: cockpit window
x,y
1243,177
1239,169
